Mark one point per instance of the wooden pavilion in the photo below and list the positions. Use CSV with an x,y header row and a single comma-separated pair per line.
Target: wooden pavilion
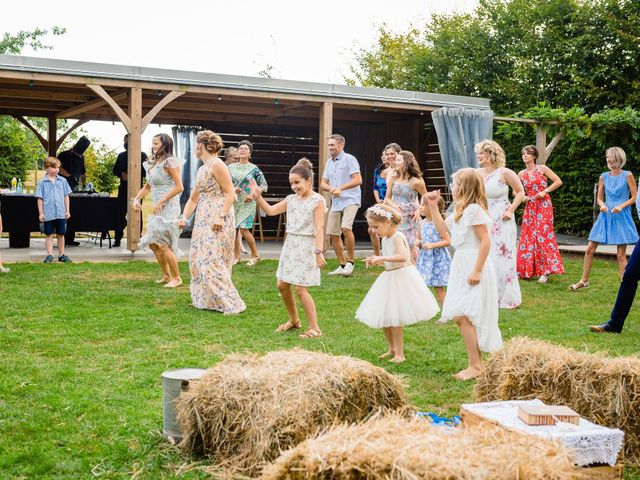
x,y
284,119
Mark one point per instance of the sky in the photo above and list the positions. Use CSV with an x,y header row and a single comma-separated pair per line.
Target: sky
x,y
299,40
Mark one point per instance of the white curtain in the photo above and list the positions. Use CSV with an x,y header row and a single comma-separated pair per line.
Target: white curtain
x,y
184,139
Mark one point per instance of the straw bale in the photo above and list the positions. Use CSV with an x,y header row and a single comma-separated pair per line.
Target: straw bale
x,y
248,408
602,389
399,448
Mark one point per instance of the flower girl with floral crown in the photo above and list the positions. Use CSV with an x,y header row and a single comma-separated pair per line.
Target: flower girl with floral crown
x,y
399,296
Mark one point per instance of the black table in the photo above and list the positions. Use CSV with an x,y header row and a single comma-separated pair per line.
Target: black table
x,y
89,213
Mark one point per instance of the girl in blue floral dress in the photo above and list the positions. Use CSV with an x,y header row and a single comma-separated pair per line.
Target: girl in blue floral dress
x,y
434,260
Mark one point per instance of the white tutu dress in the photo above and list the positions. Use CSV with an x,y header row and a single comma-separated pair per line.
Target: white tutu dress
x,y
479,303
399,296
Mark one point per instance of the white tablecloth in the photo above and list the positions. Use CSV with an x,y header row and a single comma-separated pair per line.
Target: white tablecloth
x,y
590,443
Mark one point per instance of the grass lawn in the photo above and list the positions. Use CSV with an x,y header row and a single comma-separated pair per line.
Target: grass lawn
x,y
83,347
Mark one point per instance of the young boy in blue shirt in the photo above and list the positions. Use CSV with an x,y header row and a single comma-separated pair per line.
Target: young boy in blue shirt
x,y
52,193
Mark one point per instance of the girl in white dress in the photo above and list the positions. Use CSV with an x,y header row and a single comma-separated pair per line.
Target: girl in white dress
x,y
301,257
472,295
398,297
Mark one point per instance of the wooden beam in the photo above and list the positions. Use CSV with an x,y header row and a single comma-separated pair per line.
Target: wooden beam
x,y
71,129
554,141
124,118
134,174
326,129
43,141
168,98
52,135
541,144
88,106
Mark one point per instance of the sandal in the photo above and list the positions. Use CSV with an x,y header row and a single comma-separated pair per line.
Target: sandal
x,y
543,279
311,333
285,327
253,261
578,286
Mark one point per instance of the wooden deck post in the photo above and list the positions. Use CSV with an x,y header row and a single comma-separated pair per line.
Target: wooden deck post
x,y
326,129
541,144
52,135
135,168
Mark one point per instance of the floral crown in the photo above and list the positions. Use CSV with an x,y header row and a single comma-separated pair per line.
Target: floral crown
x,y
381,212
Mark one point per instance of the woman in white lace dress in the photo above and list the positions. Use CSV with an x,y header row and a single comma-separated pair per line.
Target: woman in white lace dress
x,y
164,182
497,181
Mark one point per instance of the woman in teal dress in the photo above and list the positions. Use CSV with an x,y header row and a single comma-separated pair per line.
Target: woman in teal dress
x,y
244,207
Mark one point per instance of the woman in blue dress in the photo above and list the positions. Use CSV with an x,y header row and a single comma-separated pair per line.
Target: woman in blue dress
x,y
617,191
380,185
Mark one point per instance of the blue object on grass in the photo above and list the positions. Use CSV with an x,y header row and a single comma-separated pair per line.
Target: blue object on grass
x,y
440,421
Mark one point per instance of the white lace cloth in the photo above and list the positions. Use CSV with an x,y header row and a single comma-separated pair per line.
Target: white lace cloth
x,y
590,443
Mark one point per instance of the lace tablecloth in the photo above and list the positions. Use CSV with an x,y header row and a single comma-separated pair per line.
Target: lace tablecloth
x,y
590,443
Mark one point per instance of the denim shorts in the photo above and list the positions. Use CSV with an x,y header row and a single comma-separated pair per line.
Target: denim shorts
x,y
57,226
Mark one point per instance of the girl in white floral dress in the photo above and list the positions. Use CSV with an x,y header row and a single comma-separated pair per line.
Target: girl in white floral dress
x,y
301,257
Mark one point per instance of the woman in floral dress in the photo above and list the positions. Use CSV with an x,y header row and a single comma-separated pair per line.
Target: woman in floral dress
x,y
497,181
404,186
164,182
244,207
212,239
538,253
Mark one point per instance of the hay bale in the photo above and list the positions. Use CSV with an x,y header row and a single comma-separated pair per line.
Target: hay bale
x,y
247,409
394,447
600,388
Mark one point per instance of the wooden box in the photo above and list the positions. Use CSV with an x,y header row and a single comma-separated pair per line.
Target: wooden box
x,y
547,414
594,472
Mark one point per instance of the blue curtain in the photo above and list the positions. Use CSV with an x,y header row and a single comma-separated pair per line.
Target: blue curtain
x,y
184,139
458,130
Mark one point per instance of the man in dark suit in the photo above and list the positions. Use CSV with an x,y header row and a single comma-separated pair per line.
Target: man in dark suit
x,y
73,170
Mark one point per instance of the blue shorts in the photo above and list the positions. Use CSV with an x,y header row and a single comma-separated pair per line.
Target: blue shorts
x,y
57,226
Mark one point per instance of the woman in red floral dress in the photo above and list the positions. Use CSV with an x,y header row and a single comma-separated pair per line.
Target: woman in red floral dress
x,y
538,253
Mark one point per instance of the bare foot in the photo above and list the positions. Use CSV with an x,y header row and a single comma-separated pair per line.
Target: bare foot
x,y
176,282
386,354
468,373
397,359
163,280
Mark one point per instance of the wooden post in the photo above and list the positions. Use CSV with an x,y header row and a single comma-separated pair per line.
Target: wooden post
x,y
52,135
134,171
326,129
541,144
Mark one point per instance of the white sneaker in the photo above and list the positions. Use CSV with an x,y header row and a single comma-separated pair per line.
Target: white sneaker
x,y
337,271
243,249
347,270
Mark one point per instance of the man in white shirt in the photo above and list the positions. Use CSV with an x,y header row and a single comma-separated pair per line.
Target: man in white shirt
x,y
342,179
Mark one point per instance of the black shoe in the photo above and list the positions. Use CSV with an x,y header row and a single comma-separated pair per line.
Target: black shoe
x,y
602,328
64,259
72,244
116,243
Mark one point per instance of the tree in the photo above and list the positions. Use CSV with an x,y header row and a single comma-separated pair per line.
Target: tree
x,y
13,44
517,53
19,149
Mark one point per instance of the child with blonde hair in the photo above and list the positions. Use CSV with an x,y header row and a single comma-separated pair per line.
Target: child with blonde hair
x,y
472,296
398,297
301,258
434,260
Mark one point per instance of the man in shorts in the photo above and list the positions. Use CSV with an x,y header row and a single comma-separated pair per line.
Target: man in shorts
x,y
342,179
